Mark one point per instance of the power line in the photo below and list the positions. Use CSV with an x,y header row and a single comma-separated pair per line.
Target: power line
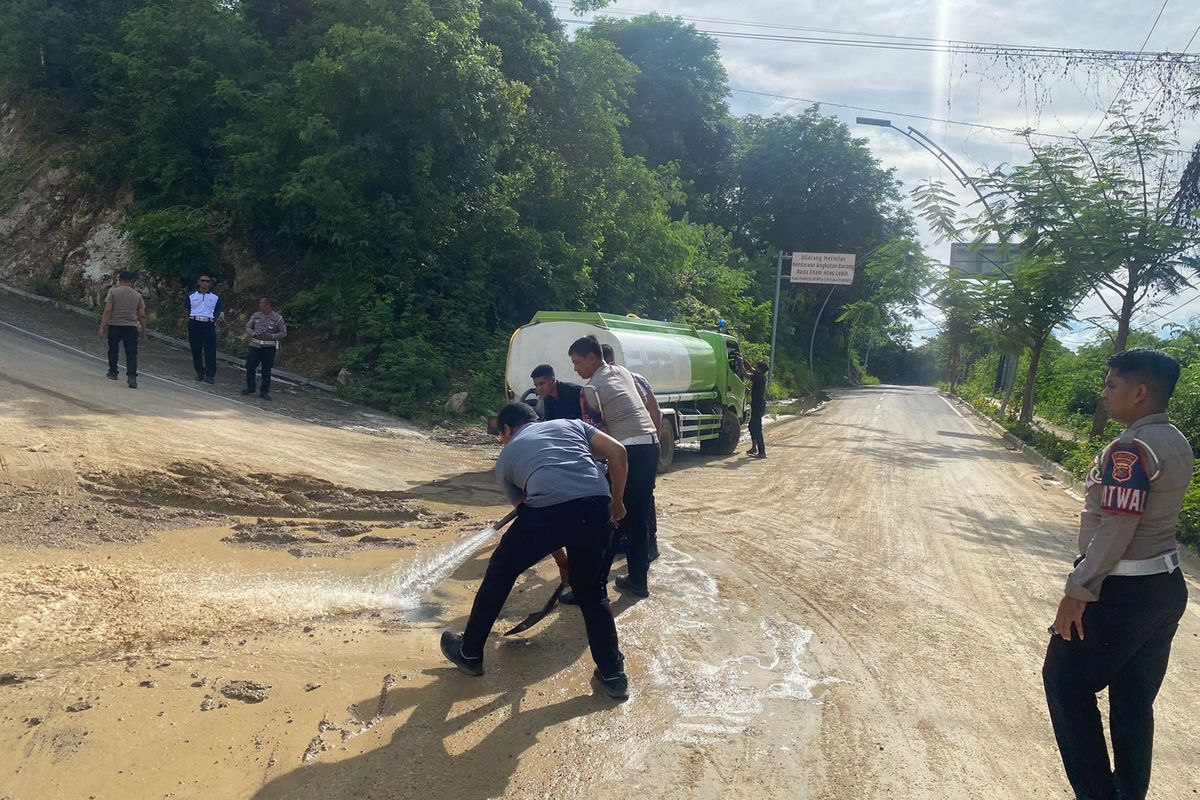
x,y
981,125
892,41
1125,80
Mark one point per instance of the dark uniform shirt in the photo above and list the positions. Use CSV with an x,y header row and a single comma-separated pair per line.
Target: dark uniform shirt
x,y
758,393
565,405
1134,492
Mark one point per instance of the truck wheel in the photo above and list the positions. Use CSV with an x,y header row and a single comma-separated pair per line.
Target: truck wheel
x,y
666,444
727,442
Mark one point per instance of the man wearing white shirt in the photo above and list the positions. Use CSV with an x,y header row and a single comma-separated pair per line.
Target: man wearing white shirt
x,y
203,307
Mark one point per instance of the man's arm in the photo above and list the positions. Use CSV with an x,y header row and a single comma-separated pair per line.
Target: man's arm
x,y
143,320
107,315
217,309
606,448
250,326
1125,488
280,330
651,403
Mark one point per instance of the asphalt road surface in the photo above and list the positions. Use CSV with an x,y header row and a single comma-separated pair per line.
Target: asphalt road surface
x,y
861,615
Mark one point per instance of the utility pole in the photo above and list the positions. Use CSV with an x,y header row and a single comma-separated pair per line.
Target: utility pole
x,y
775,315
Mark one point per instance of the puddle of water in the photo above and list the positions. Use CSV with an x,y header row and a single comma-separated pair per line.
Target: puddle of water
x,y
715,700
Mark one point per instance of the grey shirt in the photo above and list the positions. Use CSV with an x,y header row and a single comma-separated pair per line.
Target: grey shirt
x,y
126,304
1134,492
549,463
613,391
265,330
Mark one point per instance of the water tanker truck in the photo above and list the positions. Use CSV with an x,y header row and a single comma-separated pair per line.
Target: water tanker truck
x,y
696,375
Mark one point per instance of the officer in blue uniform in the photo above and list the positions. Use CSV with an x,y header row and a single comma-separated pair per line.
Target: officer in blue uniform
x,y
1124,599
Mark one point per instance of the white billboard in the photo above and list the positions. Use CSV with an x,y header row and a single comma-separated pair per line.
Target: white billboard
x,y
834,268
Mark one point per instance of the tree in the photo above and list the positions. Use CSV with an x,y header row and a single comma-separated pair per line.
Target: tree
x,y
678,112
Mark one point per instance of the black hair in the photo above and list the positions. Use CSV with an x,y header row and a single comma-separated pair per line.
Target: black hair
x,y
126,276
762,365
514,415
586,346
607,352
1154,368
542,371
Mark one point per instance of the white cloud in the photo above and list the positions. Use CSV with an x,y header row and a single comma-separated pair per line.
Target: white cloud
x,y
958,87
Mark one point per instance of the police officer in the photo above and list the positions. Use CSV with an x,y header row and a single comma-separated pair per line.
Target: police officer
x,y
1124,600
611,394
203,307
550,473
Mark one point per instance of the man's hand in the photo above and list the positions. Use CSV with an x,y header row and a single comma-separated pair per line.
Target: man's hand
x,y
617,509
564,567
142,332
103,329
1070,612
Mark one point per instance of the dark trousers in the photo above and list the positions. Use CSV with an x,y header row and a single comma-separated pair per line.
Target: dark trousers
x,y
756,436
634,530
264,356
202,336
582,527
126,335
1127,643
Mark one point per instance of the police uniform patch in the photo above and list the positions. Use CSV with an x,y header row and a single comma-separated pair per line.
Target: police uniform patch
x,y
1125,482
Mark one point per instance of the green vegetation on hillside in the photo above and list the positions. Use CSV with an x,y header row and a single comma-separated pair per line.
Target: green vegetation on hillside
x,y
419,178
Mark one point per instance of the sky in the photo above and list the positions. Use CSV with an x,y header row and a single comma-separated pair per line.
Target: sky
x,y
916,87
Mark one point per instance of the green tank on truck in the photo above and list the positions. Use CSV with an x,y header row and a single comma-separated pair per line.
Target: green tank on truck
x,y
696,375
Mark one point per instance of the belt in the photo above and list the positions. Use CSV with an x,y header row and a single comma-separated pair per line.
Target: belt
x,y
202,319
646,438
263,343
1167,562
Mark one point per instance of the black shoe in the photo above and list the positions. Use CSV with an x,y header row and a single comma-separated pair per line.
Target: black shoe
x,y
567,598
452,649
112,376
652,556
616,686
247,392
626,585
210,380
132,381
199,377
265,395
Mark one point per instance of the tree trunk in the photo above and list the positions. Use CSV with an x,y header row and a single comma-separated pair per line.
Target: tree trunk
x,y
1035,355
953,367
1100,417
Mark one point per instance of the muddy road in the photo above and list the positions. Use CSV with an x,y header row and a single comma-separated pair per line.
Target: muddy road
x,y
200,598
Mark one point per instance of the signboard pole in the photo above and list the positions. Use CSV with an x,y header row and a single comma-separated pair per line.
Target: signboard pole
x,y
812,343
775,316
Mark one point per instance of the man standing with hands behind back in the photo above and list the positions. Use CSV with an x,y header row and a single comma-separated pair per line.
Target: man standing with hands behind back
x,y
1123,602
123,321
203,307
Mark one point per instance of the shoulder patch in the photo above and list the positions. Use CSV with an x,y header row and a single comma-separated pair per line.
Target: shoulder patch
x,y
1125,480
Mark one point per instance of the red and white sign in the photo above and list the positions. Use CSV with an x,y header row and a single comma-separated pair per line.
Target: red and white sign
x,y
835,268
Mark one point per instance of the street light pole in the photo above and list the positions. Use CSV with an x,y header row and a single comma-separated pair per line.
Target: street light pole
x,y
944,158
956,169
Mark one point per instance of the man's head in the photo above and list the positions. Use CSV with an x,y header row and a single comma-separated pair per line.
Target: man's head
x,y
1139,382
204,282
264,305
512,418
762,367
544,382
607,353
586,356
125,277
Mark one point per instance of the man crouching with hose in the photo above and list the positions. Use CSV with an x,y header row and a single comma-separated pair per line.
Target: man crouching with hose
x,y
549,471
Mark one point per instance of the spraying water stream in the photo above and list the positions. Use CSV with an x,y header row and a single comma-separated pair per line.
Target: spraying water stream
x,y
400,588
